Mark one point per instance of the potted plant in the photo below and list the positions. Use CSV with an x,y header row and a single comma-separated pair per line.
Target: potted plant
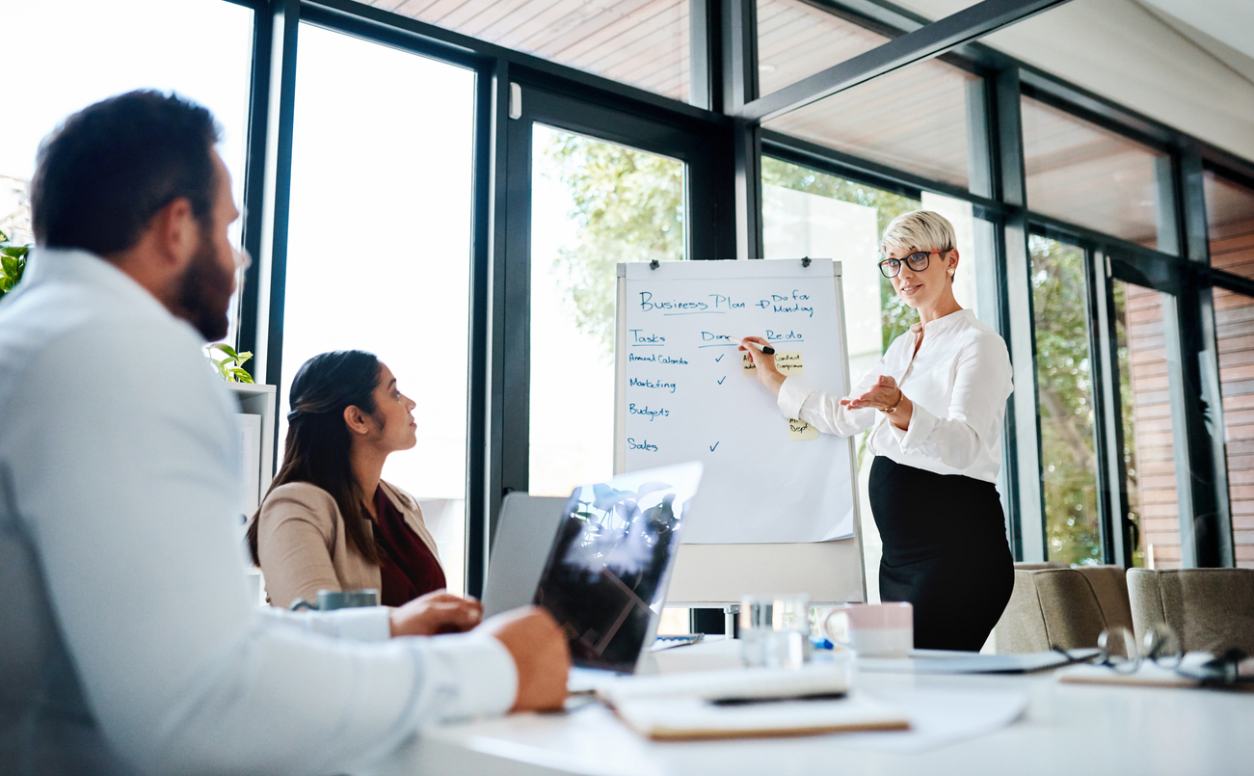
x,y
229,362
12,264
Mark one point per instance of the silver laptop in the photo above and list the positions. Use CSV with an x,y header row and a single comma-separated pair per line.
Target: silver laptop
x,y
606,574
524,536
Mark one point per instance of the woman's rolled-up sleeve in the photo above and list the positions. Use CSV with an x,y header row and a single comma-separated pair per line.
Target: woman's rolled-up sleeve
x,y
982,383
797,399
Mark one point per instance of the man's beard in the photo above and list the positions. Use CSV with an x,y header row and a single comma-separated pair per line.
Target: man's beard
x,y
205,293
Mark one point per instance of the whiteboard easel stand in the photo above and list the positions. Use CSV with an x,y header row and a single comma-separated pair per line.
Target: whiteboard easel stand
x,y
707,590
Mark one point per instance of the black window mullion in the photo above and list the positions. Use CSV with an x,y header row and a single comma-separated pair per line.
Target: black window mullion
x,y
739,42
1022,429
1112,491
285,27
515,342
487,320
246,339
1207,527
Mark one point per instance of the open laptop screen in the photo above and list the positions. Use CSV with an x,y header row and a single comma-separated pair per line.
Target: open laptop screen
x,y
605,579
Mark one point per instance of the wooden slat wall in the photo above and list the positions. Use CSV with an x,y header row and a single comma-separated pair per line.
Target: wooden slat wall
x,y
914,119
640,42
1079,172
796,40
1234,325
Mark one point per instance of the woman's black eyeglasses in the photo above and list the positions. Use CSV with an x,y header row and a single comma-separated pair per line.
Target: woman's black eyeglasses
x,y
917,261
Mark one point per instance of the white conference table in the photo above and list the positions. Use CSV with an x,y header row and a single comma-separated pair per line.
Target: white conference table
x,y
1066,729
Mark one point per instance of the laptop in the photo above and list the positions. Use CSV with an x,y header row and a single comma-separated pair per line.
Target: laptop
x,y
524,536
605,576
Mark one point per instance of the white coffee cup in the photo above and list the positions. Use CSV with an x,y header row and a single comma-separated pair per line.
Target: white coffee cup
x,y
872,630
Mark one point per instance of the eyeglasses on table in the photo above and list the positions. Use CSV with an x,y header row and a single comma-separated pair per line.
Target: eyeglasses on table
x,y
1118,650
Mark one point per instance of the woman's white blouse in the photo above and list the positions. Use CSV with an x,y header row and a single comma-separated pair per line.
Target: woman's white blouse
x,y
958,380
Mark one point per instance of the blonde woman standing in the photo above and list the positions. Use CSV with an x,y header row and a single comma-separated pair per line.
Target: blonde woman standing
x,y
934,407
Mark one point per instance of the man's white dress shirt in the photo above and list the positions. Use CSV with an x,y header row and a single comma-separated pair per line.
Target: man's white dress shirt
x,y
128,638
958,381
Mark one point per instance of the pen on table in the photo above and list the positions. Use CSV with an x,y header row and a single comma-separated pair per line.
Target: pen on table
x,y
746,701
767,349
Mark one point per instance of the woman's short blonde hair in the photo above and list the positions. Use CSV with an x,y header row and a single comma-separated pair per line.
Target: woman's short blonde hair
x,y
918,230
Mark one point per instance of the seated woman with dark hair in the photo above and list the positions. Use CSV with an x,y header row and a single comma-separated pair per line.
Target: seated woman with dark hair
x,y
329,522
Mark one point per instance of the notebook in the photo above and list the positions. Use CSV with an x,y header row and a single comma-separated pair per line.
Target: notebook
x,y
747,703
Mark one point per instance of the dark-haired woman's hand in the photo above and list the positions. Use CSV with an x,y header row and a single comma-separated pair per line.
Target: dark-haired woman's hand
x,y
433,613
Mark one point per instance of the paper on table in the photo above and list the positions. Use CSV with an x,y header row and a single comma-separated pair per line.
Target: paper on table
x,y
694,718
734,683
941,662
940,717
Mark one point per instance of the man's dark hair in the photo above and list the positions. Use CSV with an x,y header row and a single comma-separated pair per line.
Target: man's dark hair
x,y
105,172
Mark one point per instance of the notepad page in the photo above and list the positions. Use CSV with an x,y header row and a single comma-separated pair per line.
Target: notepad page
x,y
693,718
735,683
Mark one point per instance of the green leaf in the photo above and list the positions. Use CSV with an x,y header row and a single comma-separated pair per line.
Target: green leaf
x,y
225,348
243,358
241,375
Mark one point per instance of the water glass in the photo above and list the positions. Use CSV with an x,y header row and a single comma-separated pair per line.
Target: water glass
x,y
775,630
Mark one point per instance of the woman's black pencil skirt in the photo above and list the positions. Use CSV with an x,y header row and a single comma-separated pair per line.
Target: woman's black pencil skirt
x,y
945,552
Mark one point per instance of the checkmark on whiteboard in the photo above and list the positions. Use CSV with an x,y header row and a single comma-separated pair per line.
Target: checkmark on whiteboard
x,y
714,446
721,379
720,357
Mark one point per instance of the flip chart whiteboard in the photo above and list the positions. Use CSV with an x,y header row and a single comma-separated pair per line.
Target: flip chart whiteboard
x,y
684,393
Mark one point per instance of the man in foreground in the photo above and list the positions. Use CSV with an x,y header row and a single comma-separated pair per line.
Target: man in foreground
x,y
128,640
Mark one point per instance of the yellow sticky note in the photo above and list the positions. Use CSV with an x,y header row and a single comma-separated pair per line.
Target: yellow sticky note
x,y
801,431
788,362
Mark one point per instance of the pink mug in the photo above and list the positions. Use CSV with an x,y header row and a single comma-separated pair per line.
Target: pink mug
x,y
872,630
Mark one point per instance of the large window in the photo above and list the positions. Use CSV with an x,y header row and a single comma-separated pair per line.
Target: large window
x,y
1065,401
378,254
117,44
594,204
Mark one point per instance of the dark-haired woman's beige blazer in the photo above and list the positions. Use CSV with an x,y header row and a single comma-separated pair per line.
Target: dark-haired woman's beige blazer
x,y
303,548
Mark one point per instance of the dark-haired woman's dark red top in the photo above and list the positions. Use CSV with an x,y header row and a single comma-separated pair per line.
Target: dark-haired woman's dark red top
x,y
407,566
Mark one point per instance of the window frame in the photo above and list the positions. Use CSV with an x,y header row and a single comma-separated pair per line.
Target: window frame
x,y
724,64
